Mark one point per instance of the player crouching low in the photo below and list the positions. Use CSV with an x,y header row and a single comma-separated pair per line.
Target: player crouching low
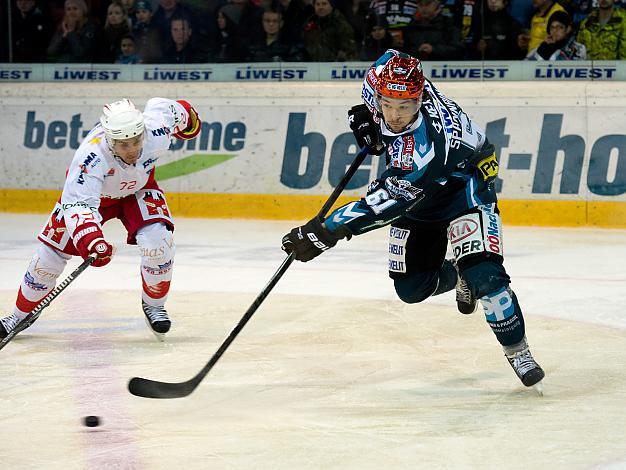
x,y
112,176
437,188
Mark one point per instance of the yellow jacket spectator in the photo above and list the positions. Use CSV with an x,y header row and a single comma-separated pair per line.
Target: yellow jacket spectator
x,y
539,21
604,32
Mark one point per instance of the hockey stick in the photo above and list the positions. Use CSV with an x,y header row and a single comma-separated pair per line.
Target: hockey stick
x,y
32,316
153,389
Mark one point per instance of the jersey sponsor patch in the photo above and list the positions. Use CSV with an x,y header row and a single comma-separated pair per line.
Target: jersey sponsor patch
x,y
398,238
488,167
367,93
160,131
372,78
498,306
465,236
160,269
492,229
476,233
29,280
408,146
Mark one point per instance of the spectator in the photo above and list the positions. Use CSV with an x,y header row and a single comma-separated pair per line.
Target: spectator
x,y
30,31
250,21
228,45
273,47
356,15
539,22
181,49
559,43
398,14
377,38
432,35
328,36
496,34
296,13
55,10
128,51
579,10
522,11
603,33
163,16
147,41
465,14
117,25
76,37
129,6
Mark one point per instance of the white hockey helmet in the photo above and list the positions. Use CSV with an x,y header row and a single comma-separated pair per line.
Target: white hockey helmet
x,y
121,120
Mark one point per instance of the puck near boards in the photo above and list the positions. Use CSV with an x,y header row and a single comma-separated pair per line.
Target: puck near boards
x,y
91,421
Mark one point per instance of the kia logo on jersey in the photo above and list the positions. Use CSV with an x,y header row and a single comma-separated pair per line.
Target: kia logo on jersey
x,y
461,229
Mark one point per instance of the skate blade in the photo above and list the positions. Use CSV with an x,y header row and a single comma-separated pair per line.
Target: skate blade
x,y
538,387
159,336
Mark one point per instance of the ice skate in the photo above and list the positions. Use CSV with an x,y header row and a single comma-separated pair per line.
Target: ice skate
x,y
465,301
157,319
8,324
530,373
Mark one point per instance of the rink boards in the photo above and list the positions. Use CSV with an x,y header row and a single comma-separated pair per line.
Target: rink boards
x,y
277,150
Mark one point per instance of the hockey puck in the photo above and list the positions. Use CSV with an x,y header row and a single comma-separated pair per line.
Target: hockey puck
x,y
91,421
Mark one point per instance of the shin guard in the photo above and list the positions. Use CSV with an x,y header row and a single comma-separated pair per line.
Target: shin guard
x,y
44,268
156,244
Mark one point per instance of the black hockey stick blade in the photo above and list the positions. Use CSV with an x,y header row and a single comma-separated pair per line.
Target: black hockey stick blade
x,y
32,316
153,389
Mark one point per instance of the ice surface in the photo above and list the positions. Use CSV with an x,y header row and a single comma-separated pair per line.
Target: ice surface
x,y
332,371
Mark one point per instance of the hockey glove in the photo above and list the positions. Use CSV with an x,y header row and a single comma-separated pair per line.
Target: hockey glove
x,y
311,240
88,239
194,125
364,128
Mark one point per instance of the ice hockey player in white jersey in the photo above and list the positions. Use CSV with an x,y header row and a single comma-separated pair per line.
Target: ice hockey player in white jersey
x,y
437,188
112,176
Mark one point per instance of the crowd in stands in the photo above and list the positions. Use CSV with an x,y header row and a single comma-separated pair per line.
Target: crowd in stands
x,y
220,31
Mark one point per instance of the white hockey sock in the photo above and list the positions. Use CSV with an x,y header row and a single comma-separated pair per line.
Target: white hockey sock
x,y
157,262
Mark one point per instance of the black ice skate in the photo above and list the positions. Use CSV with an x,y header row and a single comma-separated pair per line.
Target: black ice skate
x,y
465,301
530,373
7,324
157,319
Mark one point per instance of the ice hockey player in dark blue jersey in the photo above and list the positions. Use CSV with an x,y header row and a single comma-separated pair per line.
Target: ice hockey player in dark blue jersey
x,y
438,187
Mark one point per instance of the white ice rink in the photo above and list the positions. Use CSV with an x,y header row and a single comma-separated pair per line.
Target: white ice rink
x,y
332,372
